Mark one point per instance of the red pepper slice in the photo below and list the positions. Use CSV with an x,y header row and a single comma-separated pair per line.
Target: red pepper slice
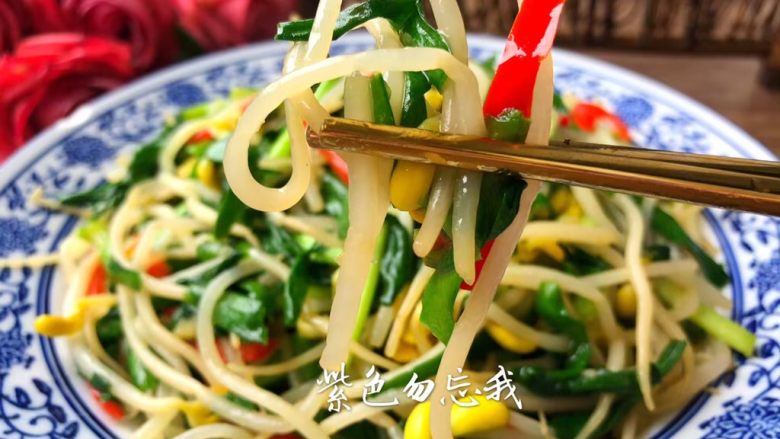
x,y
286,436
97,283
529,42
485,251
200,136
337,164
587,116
111,407
159,269
254,352
250,352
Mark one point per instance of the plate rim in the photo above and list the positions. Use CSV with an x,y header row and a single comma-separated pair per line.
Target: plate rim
x,y
33,148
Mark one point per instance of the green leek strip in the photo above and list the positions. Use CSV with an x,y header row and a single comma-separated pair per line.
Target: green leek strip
x,y
369,290
568,425
725,330
413,109
550,306
144,380
349,18
122,275
669,228
383,111
621,382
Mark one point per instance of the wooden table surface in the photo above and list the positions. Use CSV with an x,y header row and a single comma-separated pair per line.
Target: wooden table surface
x,y
727,84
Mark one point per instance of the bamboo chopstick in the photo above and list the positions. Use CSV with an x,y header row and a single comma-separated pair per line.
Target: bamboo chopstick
x,y
731,183
719,162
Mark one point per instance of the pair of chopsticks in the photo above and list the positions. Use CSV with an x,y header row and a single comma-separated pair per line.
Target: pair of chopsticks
x,y
732,183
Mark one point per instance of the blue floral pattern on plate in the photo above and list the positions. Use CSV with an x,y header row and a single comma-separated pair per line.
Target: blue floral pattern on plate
x,y
40,394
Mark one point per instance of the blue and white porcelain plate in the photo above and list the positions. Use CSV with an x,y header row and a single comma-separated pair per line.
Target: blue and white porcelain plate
x,y
40,394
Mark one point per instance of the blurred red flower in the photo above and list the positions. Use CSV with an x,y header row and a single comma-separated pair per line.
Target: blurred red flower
x,y
13,24
19,18
50,75
83,48
217,24
147,25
